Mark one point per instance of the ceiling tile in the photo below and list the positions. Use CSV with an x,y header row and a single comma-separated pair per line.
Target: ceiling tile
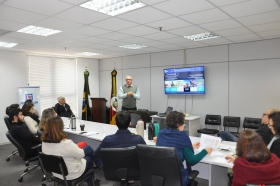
x,y
260,18
159,36
91,31
115,36
233,32
95,40
250,8
114,24
221,25
153,43
74,2
117,43
82,15
245,37
170,47
265,27
206,16
11,26
216,41
144,15
49,7
70,35
223,2
58,24
179,7
56,40
19,16
191,44
150,2
23,36
136,40
176,40
12,40
98,46
76,43
139,30
187,31
169,24
269,34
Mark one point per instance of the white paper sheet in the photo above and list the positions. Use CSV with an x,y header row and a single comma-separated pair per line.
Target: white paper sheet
x,y
209,141
91,133
222,160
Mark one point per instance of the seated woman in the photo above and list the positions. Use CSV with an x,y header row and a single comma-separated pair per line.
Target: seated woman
x,y
56,142
274,125
254,163
46,114
174,136
30,117
35,115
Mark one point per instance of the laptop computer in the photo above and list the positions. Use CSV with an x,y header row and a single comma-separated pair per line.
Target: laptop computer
x,y
168,110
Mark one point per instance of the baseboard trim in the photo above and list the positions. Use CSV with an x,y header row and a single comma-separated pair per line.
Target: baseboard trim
x,y
5,143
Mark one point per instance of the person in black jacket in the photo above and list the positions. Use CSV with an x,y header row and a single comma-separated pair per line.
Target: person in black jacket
x,y
62,108
274,125
263,130
22,134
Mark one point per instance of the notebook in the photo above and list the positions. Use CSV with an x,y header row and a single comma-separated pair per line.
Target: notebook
x,y
168,110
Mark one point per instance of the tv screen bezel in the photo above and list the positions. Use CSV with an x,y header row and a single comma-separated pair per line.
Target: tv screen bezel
x,y
184,93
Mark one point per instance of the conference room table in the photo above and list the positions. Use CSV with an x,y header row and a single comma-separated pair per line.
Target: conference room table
x,y
212,167
192,123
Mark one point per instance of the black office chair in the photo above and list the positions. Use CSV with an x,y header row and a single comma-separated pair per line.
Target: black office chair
x,y
232,121
252,123
211,120
134,118
8,124
160,166
55,164
24,156
120,164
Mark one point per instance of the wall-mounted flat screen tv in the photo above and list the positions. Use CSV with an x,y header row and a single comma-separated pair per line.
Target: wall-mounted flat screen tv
x,y
187,80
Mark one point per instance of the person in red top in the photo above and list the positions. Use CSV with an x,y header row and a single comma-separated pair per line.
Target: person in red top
x,y
254,163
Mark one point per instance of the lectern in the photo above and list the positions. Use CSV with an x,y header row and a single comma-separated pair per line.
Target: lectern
x,y
98,109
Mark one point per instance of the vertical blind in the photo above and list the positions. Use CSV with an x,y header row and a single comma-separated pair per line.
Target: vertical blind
x,y
56,77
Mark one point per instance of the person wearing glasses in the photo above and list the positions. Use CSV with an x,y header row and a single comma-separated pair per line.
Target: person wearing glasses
x,y
62,108
274,125
129,93
263,130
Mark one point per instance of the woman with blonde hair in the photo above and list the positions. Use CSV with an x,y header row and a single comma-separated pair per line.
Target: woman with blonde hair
x,y
46,114
56,142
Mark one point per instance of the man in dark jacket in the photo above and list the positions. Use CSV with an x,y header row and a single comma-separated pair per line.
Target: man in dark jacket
x,y
263,130
62,108
22,134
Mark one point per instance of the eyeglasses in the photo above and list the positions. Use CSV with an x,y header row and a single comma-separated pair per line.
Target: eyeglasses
x,y
128,79
264,114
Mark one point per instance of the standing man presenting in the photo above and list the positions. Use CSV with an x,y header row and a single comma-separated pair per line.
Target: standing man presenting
x,y
129,93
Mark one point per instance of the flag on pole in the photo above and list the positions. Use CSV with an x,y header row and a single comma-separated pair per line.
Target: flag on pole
x,y
114,100
85,110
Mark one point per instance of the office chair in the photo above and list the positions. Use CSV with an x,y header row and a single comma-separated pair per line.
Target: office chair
x,y
55,164
251,123
134,118
160,166
24,156
231,121
210,120
120,164
8,124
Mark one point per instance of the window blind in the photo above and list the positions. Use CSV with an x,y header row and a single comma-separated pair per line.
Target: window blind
x,y
56,77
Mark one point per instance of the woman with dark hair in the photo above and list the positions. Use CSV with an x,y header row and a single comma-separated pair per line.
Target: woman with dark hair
x,y
274,125
254,162
30,118
56,142
47,114
174,136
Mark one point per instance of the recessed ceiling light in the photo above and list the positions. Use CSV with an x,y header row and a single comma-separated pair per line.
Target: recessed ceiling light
x,y
202,36
112,7
7,45
88,54
38,31
133,46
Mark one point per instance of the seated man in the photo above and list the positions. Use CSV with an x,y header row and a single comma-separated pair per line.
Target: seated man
x,y
22,134
263,130
62,108
122,138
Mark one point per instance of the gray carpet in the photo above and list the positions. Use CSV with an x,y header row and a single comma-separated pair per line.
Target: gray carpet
x,y
11,170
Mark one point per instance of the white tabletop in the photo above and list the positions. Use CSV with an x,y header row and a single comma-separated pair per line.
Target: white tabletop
x,y
189,118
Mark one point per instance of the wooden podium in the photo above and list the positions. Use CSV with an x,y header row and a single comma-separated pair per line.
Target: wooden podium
x,y
98,109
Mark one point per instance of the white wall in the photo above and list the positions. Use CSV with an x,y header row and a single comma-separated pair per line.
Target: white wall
x,y
241,79
13,73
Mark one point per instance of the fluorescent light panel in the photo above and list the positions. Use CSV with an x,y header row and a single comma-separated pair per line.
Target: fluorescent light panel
x,y
38,31
88,54
113,7
133,46
7,45
202,36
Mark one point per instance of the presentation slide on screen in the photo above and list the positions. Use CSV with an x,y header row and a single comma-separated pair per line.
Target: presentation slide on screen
x,y
184,81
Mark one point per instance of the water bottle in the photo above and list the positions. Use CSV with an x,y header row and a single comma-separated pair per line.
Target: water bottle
x,y
73,122
140,128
